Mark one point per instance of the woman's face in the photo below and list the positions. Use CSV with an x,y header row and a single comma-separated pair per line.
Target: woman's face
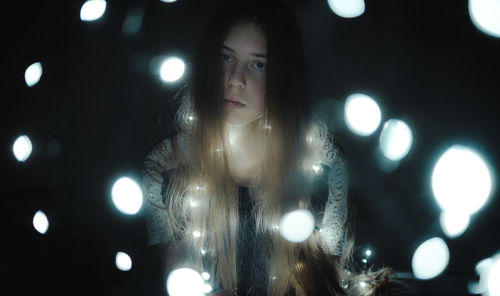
x,y
244,59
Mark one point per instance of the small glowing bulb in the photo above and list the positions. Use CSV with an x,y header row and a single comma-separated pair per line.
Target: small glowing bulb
x,y
193,203
297,226
172,69
196,233
33,74
191,118
40,222
362,284
185,281
205,275
92,10
207,288
364,260
123,261
203,252
368,252
127,196
317,169
22,148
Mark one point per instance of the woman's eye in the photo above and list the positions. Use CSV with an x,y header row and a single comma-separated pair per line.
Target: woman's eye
x,y
259,66
226,58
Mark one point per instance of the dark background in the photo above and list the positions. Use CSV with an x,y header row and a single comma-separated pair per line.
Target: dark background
x,y
99,107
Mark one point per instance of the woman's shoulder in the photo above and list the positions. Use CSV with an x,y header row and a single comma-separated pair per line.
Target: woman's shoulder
x,y
167,154
334,156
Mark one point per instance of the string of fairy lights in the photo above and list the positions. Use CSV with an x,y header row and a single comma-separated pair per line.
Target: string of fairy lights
x,y
462,179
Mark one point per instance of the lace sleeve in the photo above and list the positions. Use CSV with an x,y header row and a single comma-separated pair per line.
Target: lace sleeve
x,y
155,173
334,219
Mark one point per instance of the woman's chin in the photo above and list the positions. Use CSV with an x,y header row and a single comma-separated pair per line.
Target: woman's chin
x,y
238,120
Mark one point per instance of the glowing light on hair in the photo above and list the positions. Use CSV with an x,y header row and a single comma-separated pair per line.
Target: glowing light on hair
x,y
123,261
317,169
205,275
362,114
482,268
33,74
127,196
347,8
493,276
207,288
485,15
40,222
454,223
297,226
368,252
395,139
203,252
185,282
22,148
172,69
196,233
461,180
92,10
430,259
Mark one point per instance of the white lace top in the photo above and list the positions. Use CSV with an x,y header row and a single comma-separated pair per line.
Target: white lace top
x,y
161,159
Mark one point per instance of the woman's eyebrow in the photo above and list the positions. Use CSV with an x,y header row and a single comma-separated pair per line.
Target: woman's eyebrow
x,y
259,55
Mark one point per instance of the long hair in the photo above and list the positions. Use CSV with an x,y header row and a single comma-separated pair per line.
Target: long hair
x,y
202,197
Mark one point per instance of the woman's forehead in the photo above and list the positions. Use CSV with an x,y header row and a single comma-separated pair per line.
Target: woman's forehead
x,y
248,39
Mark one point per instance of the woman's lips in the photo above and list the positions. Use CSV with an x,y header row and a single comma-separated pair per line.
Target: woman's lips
x,y
233,104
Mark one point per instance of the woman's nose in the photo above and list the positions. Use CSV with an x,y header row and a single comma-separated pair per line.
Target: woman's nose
x,y
237,76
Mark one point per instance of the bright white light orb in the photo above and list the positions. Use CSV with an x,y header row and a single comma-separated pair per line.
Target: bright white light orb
x,y
461,180
92,10
127,196
454,223
430,258
205,275
493,277
172,69
395,139
483,268
123,261
168,1
185,282
22,148
40,222
485,15
347,8
362,114
368,252
33,74
297,226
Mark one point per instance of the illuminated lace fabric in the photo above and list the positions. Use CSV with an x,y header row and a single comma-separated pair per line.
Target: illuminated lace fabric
x,y
160,160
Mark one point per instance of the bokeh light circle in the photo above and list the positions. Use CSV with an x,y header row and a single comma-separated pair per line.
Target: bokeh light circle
x,y
362,114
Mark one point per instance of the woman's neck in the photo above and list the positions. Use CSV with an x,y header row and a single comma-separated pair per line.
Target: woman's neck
x,y
242,155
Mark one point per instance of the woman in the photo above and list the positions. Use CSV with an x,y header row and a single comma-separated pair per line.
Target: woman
x,y
247,152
